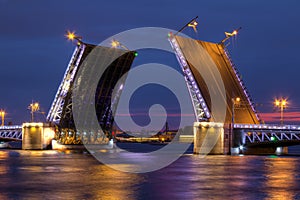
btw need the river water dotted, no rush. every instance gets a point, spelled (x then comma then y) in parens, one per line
(78, 175)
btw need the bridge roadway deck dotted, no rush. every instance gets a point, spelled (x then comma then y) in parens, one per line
(267, 135)
(249, 135)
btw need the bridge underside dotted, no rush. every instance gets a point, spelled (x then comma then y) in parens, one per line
(200, 55)
(117, 63)
(105, 86)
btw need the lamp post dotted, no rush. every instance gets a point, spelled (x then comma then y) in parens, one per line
(281, 103)
(115, 44)
(193, 23)
(72, 36)
(229, 35)
(34, 107)
(235, 101)
(2, 113)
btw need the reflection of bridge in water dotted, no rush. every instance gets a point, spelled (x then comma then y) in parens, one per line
(197, 60)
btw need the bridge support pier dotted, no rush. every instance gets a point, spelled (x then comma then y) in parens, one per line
(211, 138)
(256, 150)
(37, 135)
(214, 138)
(281, 150)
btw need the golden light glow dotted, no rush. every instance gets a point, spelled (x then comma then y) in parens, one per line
(209, 124)
(115, 43)
(71, 35)
(193, 24)
(2, 114)
(32, 124)
(283, 102)
(280, 102)
(35, 106)
(238, 99)
(235, 32)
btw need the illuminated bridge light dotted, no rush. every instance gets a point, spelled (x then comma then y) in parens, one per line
(192, 86)
(241, 83)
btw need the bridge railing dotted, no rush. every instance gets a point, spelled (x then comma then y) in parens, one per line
(267, 126)
(10, 127)
(11, 132)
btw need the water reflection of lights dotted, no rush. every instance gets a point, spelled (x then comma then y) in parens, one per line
(3, 155)
(3, 170)
(280, 178)
(116, 184)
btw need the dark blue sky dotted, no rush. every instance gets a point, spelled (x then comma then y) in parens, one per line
(34, 53)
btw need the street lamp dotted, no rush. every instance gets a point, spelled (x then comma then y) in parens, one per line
(229, 35)
(2, 113)
(33, 107)
(115, 44)
(281, 103)
(193, 23)
(235, 101)
(72, 36)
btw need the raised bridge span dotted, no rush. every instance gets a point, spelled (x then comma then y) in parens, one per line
(196, 57)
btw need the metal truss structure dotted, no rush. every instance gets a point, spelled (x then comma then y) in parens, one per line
(61, 101)
(200, 107)
(11, 132)
(61, 113)
(263, 134)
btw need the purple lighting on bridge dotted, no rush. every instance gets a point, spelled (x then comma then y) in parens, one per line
(193, 88)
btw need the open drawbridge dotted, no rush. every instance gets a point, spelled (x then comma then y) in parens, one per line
(61, 113)
(197, 59)
(208, 70)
